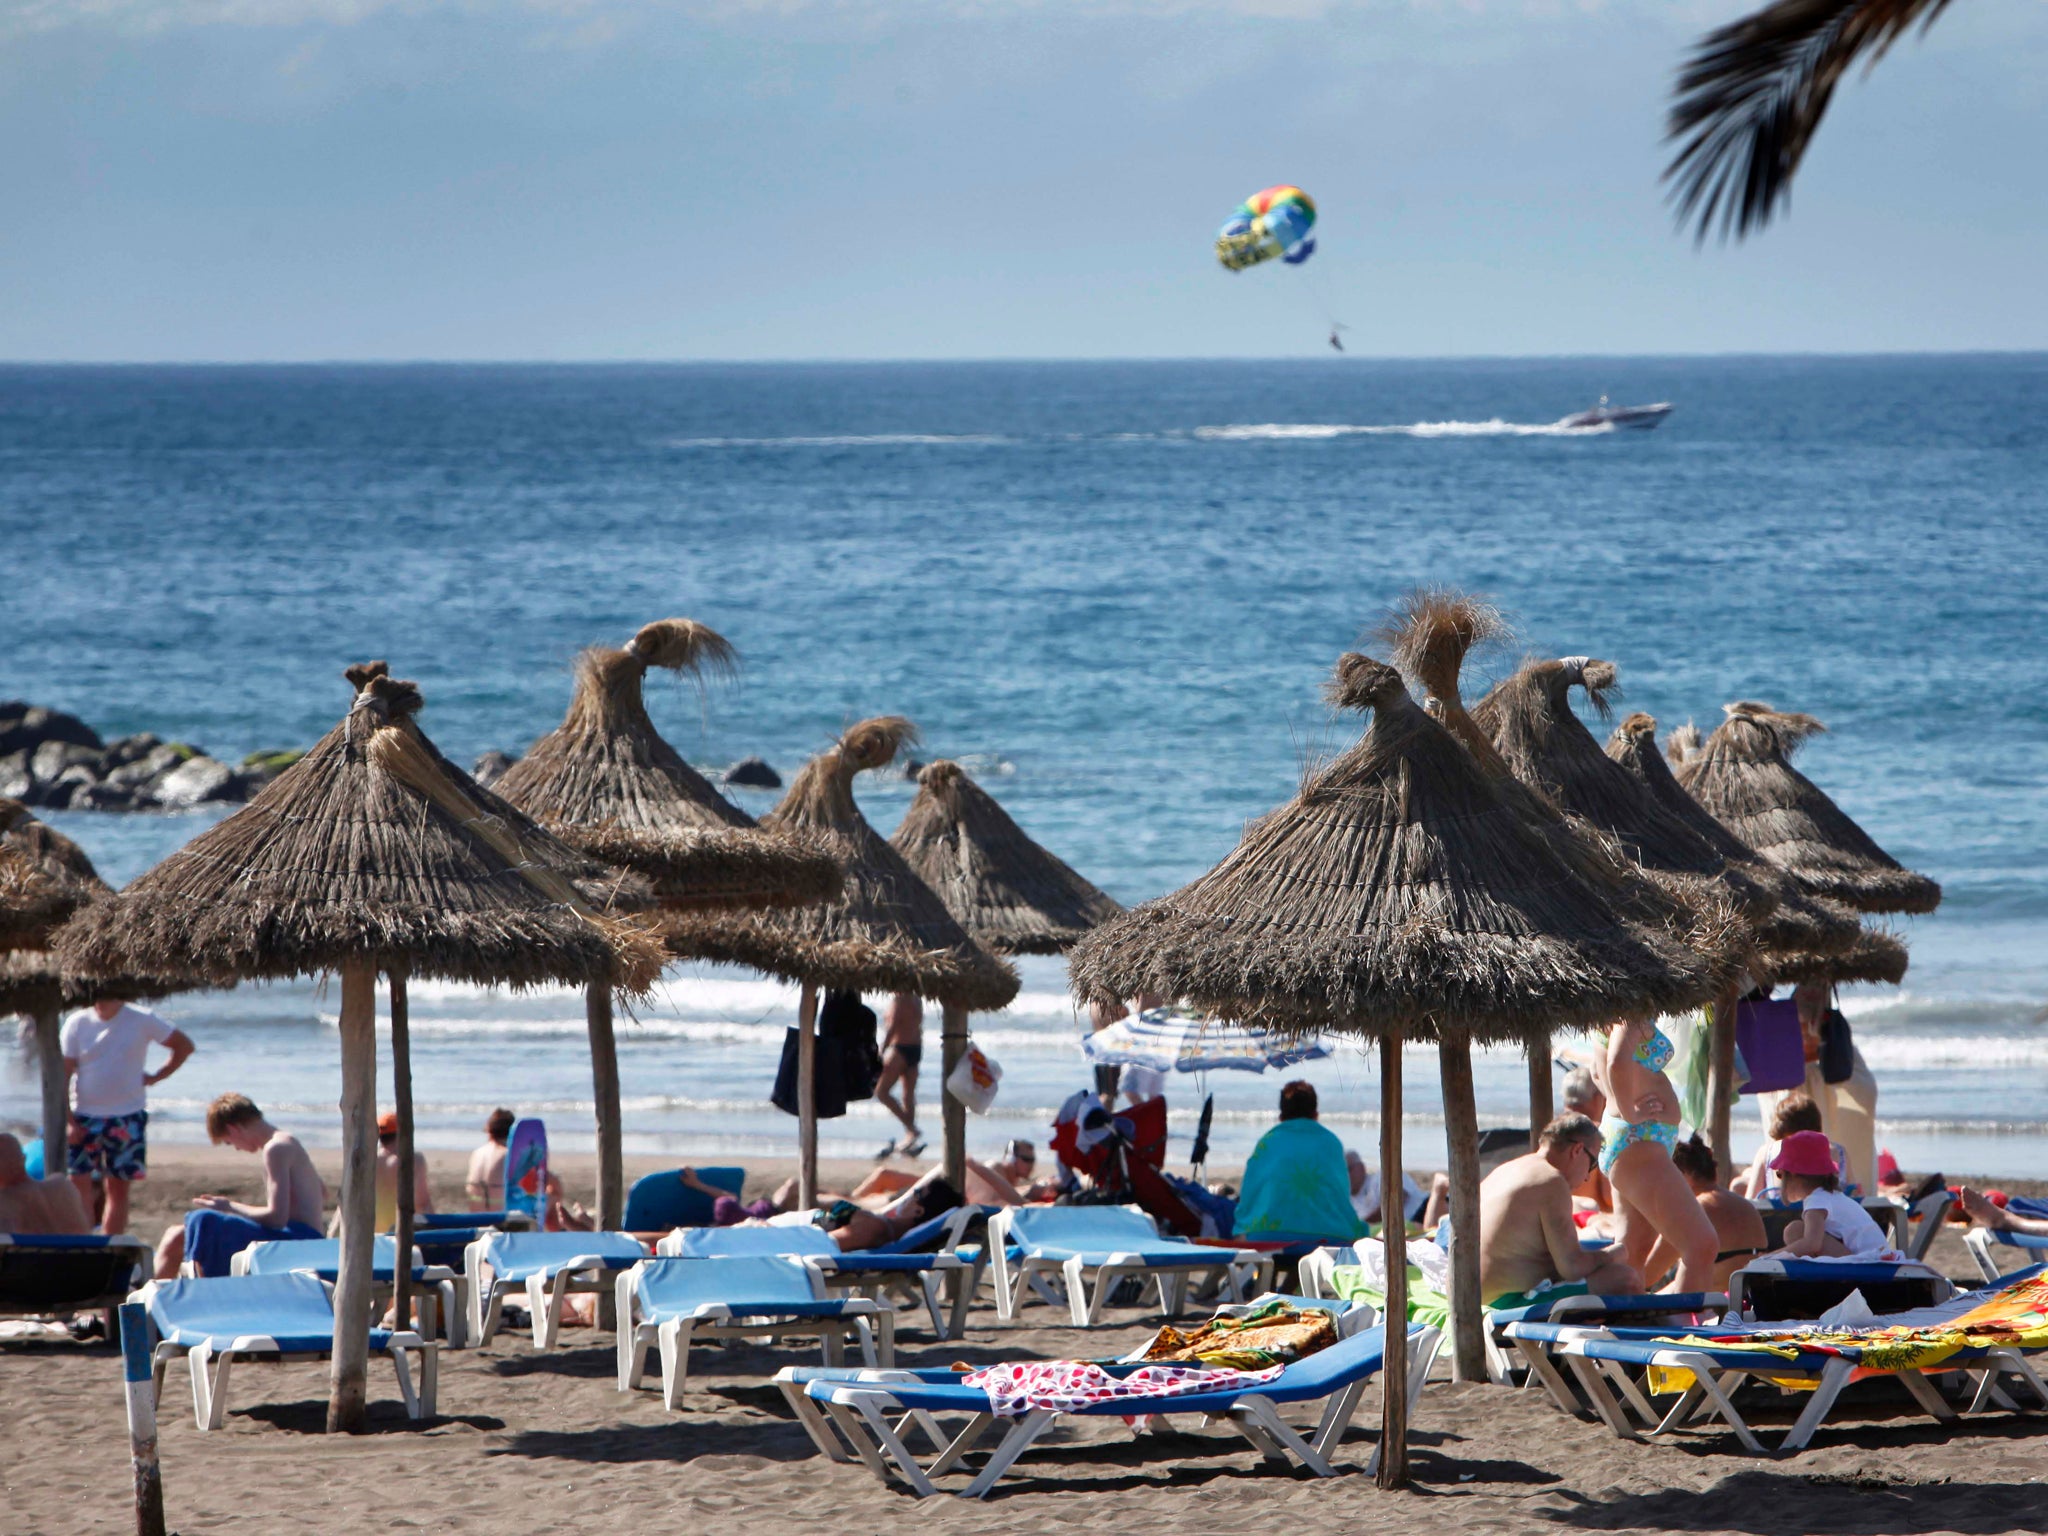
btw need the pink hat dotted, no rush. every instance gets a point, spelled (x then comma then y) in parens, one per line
(1806, 1152)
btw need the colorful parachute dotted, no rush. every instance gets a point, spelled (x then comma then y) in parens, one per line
(1271, 223)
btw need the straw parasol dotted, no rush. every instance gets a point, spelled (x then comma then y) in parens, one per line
(1399, 895)
(1010, 894)
(606, 783)
(1432, 631)
(1800, 923)
(1743, 775)
(44, 878)
(887, 932)
(1876, 956)
(370, 853)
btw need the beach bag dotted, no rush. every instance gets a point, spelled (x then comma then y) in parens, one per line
(1837, 1048)
(1773, 1049)
(851, 1027)
(830, 1084)
(974, 1079)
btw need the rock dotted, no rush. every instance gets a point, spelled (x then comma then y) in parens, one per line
(102, 797)
(753, 773)
(259, 768)
(490, 767)
(194, 782)
(150, 767)
(131, 749)
(30, 725)
(15, 777)
(54, 758)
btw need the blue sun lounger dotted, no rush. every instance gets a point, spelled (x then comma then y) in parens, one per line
(1796, 1289)
(868, 1271)
(51, 1275)
(1584, 1310)
(322, 1256)
(1029, 1243)
(1337, 1377)
(1984, 1244)
(550, 1265)
(670, 1302)
(224, 1318)
(1602, 1359)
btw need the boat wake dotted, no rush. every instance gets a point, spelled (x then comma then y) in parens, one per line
(1320, 431)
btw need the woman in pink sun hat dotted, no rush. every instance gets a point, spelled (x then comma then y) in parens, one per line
(1830, 1224)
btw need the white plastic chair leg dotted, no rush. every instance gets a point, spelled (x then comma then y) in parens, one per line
(1082, 1310)
(675, 1361)
(1014, 1444)
(1833, 1377)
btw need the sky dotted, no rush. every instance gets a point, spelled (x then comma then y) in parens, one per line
(228, 180)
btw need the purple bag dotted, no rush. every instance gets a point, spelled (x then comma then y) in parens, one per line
(1767, 1035)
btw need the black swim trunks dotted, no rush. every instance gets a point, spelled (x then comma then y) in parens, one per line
(911, 1054)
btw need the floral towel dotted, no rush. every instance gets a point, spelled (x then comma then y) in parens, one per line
(1272, 1333)
(1021, 1386)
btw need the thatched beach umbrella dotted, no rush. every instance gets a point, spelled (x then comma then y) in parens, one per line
(1877, 957)
(1432, 631)
(606, 783)
(1743, 775)
(44, 878)
(371, 853)
(1011, 895)
(886, 932)
(1399, 895)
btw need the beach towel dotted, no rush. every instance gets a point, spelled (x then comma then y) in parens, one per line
(213, 1238)
(1018, 1387)
(1272, 1333)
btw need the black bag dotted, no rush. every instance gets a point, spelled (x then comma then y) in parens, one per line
(852, 1028)
(829, 1084)
(1837, 1048)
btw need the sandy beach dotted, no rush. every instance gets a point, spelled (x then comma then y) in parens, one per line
(545, 1443)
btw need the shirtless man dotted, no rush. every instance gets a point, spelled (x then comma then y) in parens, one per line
(44, 1207)
(485, 1181)
(220, 1228)
(902, 1051)
(1738, 1230)
(1526, 1233)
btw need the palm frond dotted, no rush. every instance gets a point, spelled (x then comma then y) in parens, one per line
(1752, 95)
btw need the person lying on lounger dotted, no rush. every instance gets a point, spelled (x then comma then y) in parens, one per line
(1984, 1213)
(1528, 1242)
(37, 1207)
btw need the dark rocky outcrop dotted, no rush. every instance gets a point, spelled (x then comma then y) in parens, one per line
(753, 773)
(54, 761)
(490, 767)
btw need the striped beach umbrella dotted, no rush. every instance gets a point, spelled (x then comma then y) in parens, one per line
(1173, 1040)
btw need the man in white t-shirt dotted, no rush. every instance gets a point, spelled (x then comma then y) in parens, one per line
(106, 1060)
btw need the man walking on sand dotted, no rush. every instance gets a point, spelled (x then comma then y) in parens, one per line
(106, 1052)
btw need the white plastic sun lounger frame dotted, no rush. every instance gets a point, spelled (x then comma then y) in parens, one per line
(210, 1385)
(859, 1410)
(862, 1316)
(1615, 1395)
(1244, 1271)
(441, 1293)
(581, 1275)
(1984, 1248)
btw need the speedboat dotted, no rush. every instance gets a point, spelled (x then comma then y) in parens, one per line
(1641, 417)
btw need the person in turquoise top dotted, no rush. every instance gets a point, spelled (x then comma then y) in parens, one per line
(1296, 1184)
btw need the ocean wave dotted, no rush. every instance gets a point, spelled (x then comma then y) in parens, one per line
(1323, 431)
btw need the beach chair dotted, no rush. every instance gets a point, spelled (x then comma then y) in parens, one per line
(214, 1322)
(550, 1265)
(509, 1221)
(1029, 1244)
(860, 1409)
(1584, 1311)
(659, 1201)
(1930, 1211)
(1602, 1360)
(1791, 1290)
(322, 1256)
(670, 1303)
(869, 1272)
(1984, 1245)
(52, 1275)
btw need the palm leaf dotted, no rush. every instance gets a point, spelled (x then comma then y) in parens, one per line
(1753, 93)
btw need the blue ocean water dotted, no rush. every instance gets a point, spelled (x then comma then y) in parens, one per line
(1112, 589)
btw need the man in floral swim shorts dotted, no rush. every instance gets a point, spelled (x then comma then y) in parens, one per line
(106, 1049)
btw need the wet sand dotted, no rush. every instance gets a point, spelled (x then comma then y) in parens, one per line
(532, 1443)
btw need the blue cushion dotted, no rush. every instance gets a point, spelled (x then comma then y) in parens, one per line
(513, 1256)
(293, 1308)
(754, 1284)
(719, 1242)
(659, 1201)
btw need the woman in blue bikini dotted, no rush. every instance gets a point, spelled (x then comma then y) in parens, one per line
(1651, 1197)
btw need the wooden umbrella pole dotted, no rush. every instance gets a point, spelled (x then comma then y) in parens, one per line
(346, 1410)
(56, 1101)
(953, 1113)
(1721, 1081)
(807, 1099)
(401, 1097)
(604, 1079)
(1393, 1468)
(1542, 1102)
(1461, 1131)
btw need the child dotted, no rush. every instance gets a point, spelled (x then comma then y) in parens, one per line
(1830, 1223)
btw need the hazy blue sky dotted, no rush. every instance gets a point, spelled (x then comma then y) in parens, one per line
(229, 179)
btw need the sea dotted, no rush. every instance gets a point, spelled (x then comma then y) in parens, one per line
(1110, 589)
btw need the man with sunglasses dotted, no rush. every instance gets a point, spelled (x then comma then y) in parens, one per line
(1528, 1243)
